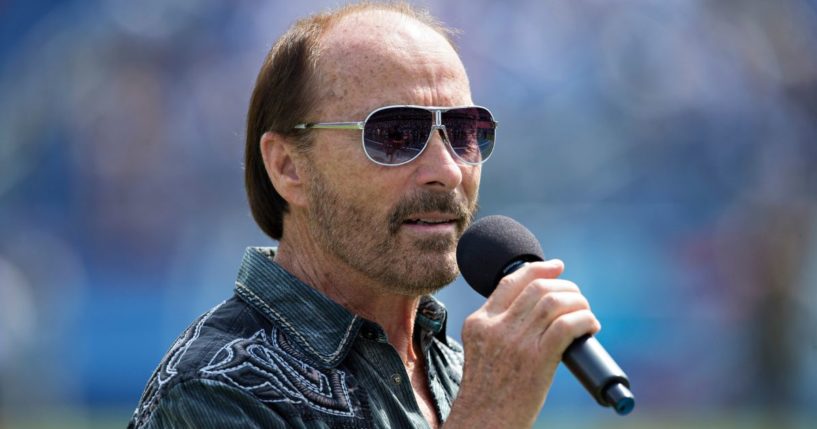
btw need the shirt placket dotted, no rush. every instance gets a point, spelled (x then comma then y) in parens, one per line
(391, 369)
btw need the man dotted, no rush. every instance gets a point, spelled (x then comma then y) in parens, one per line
(335, 327)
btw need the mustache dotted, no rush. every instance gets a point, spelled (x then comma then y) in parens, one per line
(447, 203)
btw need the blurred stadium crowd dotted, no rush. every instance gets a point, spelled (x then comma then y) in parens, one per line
(665, 149)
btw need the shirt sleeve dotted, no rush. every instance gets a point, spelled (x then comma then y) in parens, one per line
(212, 404)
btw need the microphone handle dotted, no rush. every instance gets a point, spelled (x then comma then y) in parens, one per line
(599, 373)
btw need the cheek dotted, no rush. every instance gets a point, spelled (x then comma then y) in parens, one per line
(341, 161)
(470, 181)
(365, 186)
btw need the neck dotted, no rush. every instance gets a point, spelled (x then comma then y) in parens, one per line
(352, 289)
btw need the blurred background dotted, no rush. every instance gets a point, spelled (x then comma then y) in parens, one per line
(665, 149)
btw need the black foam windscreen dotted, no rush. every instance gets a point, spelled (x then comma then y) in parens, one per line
(489, 246)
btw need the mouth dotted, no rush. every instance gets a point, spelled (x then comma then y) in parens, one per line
(431, 222)
(434, 213)
(428, 221)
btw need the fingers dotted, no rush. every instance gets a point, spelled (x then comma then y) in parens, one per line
(533, 300)
(554, 304)
(512, 285)
(566, 328)
(547, 298)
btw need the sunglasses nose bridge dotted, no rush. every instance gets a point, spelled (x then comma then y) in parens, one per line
(438, 118)
(443, 133)
(439, 127)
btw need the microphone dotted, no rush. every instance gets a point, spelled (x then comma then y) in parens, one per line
(495, 246)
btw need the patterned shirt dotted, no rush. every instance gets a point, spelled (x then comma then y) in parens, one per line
(281, 354)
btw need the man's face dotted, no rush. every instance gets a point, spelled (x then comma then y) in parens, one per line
(396, 225)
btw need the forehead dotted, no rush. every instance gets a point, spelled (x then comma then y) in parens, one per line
(376, 58)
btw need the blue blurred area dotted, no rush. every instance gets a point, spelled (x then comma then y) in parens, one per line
(666, 150)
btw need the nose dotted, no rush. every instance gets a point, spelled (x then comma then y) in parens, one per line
(437, 167)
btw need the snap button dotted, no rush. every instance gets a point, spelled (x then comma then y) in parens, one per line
(396, 379)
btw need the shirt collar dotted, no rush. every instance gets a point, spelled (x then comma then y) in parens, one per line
(321, 327)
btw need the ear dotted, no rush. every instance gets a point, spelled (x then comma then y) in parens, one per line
(282, 168)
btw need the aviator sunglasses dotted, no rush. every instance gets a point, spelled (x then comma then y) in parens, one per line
(396, 135)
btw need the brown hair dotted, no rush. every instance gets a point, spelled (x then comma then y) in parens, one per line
(285, 94)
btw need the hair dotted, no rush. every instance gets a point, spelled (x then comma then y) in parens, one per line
(285, 93)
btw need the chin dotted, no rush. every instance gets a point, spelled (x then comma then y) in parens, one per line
(426, 276)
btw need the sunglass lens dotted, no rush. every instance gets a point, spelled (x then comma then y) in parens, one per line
(471, 132)
(396, 135)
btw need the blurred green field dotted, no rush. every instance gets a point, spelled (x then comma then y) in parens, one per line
(72, 419)
(697, 422)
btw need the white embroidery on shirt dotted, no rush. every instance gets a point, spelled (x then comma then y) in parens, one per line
(269, 369)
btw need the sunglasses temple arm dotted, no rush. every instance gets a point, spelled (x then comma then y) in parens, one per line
(332, 125)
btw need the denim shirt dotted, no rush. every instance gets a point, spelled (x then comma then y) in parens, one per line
(281, 354)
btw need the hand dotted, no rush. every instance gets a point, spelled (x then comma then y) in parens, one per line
(513, 344)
